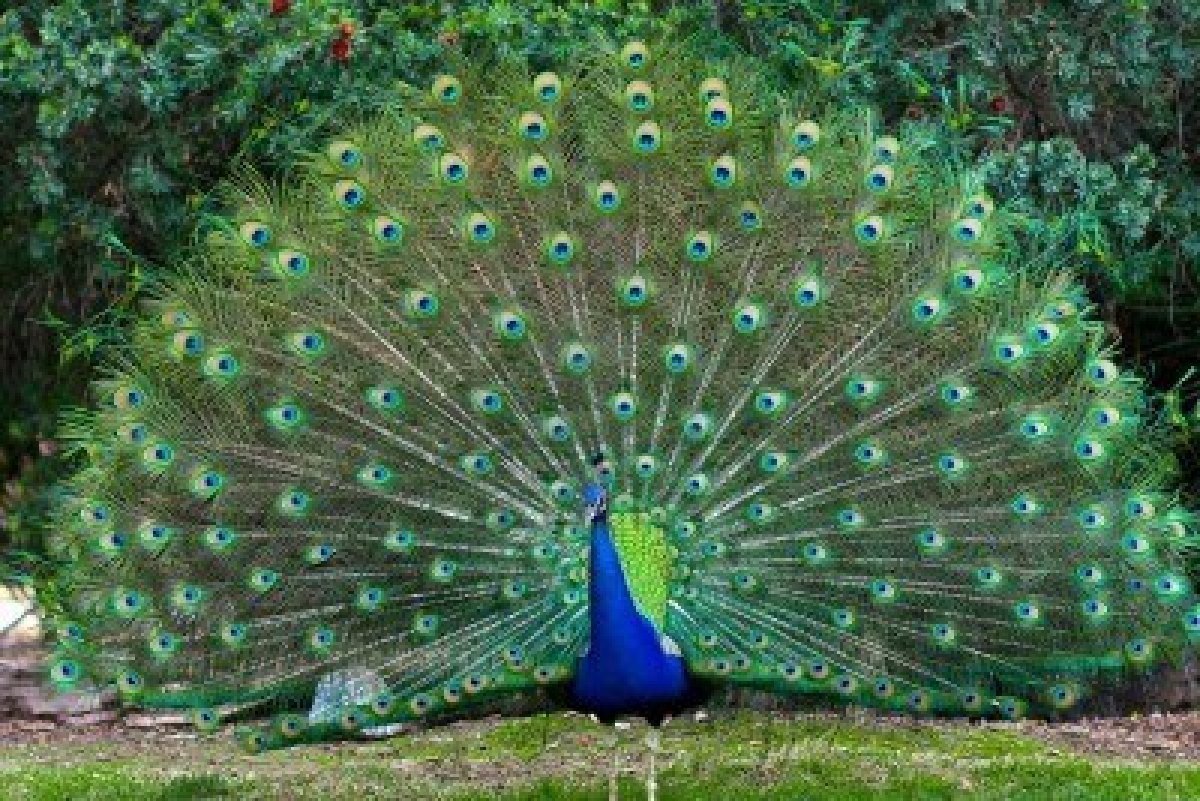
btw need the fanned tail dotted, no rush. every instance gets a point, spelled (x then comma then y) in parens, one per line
(862, 438)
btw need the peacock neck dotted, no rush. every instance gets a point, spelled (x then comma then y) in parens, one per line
(612, 608)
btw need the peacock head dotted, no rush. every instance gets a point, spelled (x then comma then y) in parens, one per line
(595, 503)
(595, 496)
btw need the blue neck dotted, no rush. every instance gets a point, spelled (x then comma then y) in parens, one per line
(625, 670)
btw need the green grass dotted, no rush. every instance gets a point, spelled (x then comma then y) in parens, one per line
(744, 756)
(112, 784)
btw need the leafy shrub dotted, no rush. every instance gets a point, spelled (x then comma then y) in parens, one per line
(121, 115)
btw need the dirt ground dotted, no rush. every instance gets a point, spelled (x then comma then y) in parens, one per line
(1168, 736)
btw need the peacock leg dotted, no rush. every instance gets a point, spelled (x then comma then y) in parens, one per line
(615, 743)
(652, 743)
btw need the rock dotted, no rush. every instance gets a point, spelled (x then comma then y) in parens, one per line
(36, 725)
(104, 716)
(62, 704)
(157, 720)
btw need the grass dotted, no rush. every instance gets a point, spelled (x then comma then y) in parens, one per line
(568, 758)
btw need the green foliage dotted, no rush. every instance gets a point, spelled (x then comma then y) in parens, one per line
(120, 116)
(1087, 107)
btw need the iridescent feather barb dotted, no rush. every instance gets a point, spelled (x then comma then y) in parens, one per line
(860, 440)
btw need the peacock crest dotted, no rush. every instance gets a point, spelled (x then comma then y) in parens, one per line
(859, 436)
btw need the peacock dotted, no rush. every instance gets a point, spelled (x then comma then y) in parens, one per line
(615, 385)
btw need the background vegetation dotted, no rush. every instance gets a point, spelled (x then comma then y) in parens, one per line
(120, 115)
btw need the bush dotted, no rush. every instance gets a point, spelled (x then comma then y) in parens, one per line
(121, 115)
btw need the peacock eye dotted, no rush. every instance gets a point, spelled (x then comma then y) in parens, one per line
(967, 230)
(510, 325)
(479, 228)
(697, 426)
(700, 246)
(560, 249)
(306, 343)
(428, 138)
(548, 87)
(678, 358)
(532, 126)
(647, 138)
(1035, 426)
(187, 343)
(488, 401)
(770, 402)
(576, 358)
(887, 148)
(712, 87)
(870, 230)
(446, 89)
(158, 455)
(132, 433)
(1009, 351)
(255, 234)
(1100, 372)
(722, 173)
(988, 577)
(798, 172)
(635, 55)
(557, 429)
(387, 230)
(624, 405)
(452, 168)
(1105, 416)
(639, 97)
(748, 318)
(718, 113)
(537, 172)
(927, 309)
(344, 154)
(979, 206)
(291, 264)
(634, 292)
(772, 461)
(805, 135)
(1139, 507)
(879, 179)
(951, 464)
(968, 280)
(750, 217)
(607, 197)
(1025, 504)
(646, 466)
(349, 194)
(221, 366)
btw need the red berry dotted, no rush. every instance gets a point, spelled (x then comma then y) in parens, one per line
(998, 104)
(280, 7)
(339, 50)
